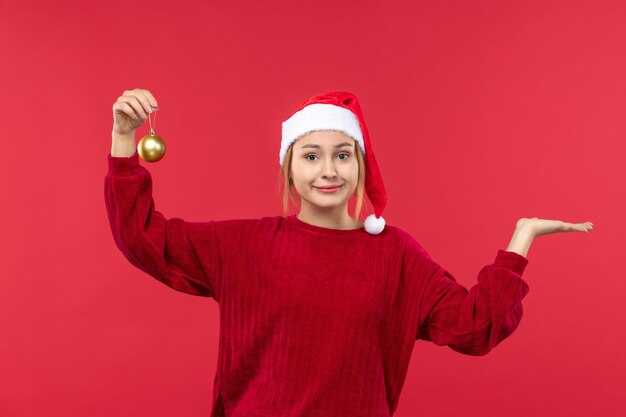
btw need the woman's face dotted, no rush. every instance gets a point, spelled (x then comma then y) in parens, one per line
(325, 158)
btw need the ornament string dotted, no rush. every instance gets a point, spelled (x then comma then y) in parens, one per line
(150, 120)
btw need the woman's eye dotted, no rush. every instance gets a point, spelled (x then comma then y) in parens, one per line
(313, 155)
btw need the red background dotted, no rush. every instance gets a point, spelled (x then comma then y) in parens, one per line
(480, 113)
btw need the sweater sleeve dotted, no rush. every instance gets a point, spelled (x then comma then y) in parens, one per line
(474, 321)
(180, 254)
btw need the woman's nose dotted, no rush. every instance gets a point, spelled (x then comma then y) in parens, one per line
(329, 169)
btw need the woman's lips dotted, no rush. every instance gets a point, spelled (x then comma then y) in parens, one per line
(328, 190)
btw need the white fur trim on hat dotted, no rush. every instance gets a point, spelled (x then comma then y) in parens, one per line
(319, 116)
(374, 225)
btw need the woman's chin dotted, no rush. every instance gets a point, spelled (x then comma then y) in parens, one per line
(328, 204)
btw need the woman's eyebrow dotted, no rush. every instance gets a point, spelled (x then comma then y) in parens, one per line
(318, 147)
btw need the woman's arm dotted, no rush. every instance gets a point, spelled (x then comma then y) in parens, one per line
(474, 321)
(180, 254)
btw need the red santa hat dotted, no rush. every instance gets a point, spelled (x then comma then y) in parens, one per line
(340, 110)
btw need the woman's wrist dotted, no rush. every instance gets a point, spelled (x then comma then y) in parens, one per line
(521, 240)
(123, 145)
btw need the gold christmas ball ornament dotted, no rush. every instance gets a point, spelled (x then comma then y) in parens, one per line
(151, 148)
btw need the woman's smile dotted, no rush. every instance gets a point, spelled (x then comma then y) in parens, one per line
(329, 189)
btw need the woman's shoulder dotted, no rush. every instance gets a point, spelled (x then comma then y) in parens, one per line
(417, 262)
(412, 246)
(396, 232)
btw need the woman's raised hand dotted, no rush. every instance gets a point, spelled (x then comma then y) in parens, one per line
(131, 110)
(538, 227)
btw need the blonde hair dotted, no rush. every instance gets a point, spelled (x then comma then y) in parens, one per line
(288, 188)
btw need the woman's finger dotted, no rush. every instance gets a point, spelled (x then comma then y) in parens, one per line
(127, 109)
(143, 96)
(151, 98)
(580, 227)
(136, 105)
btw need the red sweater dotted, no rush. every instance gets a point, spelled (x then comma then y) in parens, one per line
(314, 322)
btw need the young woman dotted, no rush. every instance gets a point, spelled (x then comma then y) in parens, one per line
(319, 312)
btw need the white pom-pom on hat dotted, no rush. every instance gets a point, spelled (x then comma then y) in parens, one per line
(340, 110)
(374, 225)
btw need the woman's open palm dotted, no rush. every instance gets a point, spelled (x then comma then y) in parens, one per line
(540, 227)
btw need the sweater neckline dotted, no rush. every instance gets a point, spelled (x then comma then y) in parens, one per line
(307, 226)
